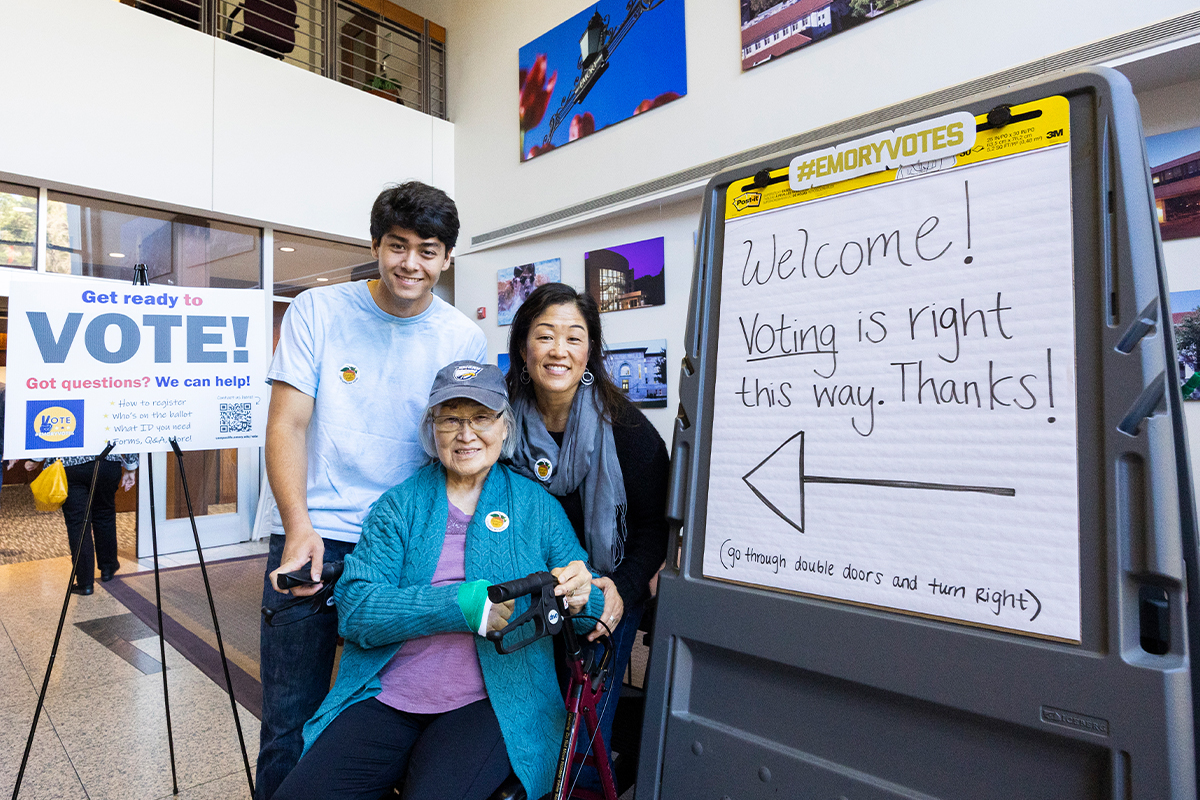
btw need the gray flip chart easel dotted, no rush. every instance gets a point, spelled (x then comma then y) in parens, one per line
(933, 506)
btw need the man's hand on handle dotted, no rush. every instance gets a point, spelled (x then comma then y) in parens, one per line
(303, 544)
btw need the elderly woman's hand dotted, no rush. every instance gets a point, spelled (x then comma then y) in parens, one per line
(574, 585)
(614, 608)
(499, 614)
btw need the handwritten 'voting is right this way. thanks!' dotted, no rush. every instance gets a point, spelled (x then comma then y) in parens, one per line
(894, 421)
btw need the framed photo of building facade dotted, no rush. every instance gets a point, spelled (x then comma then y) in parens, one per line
(1175, 172)
(774, 28)
(626, 276)
(640, 371)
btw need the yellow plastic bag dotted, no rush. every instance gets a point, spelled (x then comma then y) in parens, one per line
(50, 488)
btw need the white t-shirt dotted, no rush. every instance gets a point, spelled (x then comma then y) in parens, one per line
(369, 373)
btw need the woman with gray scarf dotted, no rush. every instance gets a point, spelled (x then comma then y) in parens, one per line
(595, 452)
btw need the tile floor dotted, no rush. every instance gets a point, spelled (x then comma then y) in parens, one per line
(102, 732)
(189, 557)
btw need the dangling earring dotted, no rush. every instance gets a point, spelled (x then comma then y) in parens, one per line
(524, 376)
(588, 378)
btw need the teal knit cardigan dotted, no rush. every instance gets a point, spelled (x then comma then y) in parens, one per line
(385, 598)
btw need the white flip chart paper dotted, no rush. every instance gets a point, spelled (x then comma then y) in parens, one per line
(894, 422)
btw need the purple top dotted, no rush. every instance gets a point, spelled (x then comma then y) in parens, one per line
(438, 673)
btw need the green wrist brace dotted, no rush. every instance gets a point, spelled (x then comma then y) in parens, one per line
(474, 604)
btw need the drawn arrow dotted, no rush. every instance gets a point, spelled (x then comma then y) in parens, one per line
(803, 479)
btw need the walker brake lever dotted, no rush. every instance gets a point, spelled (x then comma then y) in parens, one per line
(546, 613)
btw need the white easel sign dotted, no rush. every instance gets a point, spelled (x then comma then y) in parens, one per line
(91, 362)
(895, 418)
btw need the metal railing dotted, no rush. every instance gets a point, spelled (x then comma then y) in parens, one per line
(375, 46)
(290, 30)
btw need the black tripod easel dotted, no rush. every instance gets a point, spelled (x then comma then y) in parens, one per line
(140, 279)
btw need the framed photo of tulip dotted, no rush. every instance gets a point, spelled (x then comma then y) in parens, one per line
(613, 60)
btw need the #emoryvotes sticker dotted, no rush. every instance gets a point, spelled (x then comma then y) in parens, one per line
(349, 373)
(543, 469)
(496, 521)
(53, 423)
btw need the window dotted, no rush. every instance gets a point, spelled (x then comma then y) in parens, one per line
(612, 286)
(103, 239)
(378, 47)
(302, 262)
(18, 226)
(289, 30)
(379, 55)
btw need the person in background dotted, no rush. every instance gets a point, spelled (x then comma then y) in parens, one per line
(420, 694)
(115, 471)
(349, 382)
(594, 451)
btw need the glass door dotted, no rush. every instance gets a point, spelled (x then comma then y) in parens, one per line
(223, 485)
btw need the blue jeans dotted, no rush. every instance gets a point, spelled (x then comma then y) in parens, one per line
(295, 664)
(622, 638)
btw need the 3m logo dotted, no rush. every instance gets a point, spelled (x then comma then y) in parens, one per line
(1070, 719)
(1054, 134)
(747, 200)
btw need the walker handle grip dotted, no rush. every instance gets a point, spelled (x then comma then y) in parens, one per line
(502, 592)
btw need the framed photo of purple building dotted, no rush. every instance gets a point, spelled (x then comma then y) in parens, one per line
(640, 371)
(1175, 172)
(514, 284)
(626, 276)
(613, 60)
(773, 28)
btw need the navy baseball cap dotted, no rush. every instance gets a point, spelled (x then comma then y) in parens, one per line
(483, 383)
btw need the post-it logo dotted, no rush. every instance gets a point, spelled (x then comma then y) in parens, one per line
(53, 423)
(747, 200)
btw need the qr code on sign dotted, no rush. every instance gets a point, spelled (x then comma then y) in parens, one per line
(235, 417)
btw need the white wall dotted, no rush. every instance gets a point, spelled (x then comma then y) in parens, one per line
(1166, 109)
(926, 46)
(117, 102)
(675, 222)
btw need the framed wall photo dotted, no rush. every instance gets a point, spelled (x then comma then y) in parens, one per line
(626, 276)
(575, 81)
(514, 284)
(1185, 321)
(1175, 172)
(639, 369)
(774, 28)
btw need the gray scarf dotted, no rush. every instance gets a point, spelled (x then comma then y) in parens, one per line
(587, 461)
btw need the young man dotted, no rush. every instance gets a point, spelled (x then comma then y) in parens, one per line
(350, 378)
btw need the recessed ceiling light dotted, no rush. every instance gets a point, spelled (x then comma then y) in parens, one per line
(116, 255)
(23, 210)
(322, 279)
(287, 249)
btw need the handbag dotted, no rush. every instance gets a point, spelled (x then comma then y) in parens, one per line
(50, 488)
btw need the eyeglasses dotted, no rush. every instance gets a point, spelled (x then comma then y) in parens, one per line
(479, 423)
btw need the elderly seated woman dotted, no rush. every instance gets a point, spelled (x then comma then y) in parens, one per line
(420, 695)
